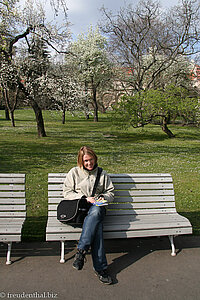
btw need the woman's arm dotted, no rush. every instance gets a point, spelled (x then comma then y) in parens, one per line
(69, 186)
(108, 188)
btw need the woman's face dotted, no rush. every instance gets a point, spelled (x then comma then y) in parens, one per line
(88, 162)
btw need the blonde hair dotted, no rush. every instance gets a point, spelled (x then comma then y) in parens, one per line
(83, 151)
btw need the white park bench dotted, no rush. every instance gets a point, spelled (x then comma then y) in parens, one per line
(12, 209)
(144, 206)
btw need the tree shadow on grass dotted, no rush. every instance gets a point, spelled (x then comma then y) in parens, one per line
(194, 218)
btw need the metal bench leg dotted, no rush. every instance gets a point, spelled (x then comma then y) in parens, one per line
(62, 258)
(171, 238)
(8, 261)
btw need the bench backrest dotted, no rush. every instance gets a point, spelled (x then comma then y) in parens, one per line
(134, 194)
(12, 196)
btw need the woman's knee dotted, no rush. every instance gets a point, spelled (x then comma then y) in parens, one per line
(97, 211)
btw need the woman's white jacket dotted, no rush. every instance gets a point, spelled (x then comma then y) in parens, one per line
(80, 182)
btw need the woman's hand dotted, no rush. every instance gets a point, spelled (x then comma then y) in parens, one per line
(93, 199)
(90, 199)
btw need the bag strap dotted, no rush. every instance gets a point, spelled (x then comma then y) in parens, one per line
(96, 181)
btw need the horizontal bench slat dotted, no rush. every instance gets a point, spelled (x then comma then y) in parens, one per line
(147, 233)
(144, 193)
(56, 180)
(12, 194)
(13, 214)
(12, 207)
(121, 234)
(123, 175)
(141, 179)
(10, 238)
(129, 212)
(53, 207)
(54, 200)
(128, 199)
(147, 205)
(137, 226)
(121, 227)
(12, 221)
(10, 230)
(141, 211)
(156, 218)
(150, 186)
(59, 177)
(12, 175)
(143, 186)
(57, 194)
(126, 219)
(12, 201)
(144, 199)
(12, 187)
(136, 176)
(60, 180)
(62, 237)
(12, 180)
(139, 175)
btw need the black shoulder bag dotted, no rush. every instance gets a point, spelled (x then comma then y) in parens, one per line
(73, 212)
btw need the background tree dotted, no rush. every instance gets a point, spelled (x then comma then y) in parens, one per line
(9, 88)
(34, 66)
(150, 60)
(154, 104)
(20, 28)
(137, 33)
(66, 92)
(93, 66)
(8, 20)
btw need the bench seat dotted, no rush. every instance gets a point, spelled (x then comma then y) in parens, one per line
(144, 206)
(12, 209)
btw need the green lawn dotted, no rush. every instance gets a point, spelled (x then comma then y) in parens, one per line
(143, 150)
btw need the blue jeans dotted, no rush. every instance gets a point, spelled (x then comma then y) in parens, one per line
(92, 235)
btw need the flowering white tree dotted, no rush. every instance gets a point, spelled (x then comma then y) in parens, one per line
(9, 88)
(92, 64)
(22, 29)
(66, 92)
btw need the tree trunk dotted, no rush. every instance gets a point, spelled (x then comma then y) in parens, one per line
(63, 115)
(10, 105)
(95, 105)
(37, 110)
(7, 116)
(86, 108)
(166, 129)
(12, 118)
(39, 119)
(87, 116)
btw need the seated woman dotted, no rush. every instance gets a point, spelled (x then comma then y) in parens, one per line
(78, 184)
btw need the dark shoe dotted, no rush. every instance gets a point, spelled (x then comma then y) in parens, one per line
(104, 277)
(79, 260)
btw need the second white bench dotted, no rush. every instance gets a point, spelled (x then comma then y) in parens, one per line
(12, 209)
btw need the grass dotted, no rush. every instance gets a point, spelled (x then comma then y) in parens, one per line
(144, 150)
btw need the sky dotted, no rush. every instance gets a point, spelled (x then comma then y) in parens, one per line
(83, 13)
